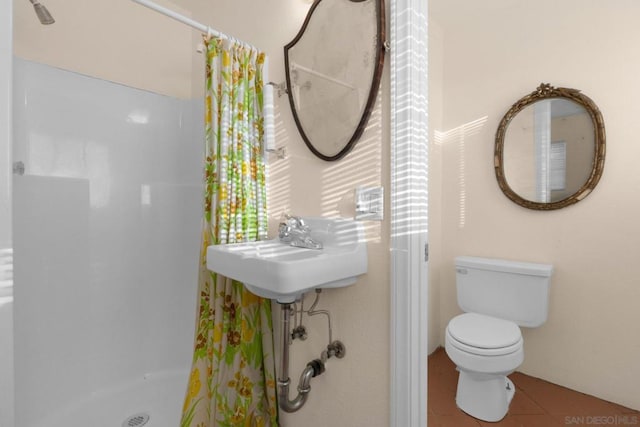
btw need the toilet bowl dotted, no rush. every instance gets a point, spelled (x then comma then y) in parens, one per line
(485, 342)
(485, 350)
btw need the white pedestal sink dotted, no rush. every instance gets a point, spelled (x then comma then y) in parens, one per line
(275, 270)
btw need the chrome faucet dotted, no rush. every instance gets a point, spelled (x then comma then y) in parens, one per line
(297, 233)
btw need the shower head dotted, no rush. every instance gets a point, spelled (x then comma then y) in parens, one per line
(43, 14)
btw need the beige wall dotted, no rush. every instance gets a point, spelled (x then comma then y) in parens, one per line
(493, 55)
(115, 40)
(436, 243)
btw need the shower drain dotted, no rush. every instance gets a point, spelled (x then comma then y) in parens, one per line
(137, 420)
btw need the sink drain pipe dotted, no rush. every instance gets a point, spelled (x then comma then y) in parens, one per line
(313, 369)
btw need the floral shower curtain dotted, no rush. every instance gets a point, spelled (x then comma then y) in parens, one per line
(232, 381)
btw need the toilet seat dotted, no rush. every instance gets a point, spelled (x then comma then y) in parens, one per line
(484, 335)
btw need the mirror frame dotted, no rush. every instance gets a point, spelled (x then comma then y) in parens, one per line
(546, 91)
(373, 90)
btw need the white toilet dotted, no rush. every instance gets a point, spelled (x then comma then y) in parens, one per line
(485, 342)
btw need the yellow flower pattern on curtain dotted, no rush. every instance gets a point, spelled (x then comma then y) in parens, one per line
(232, 381)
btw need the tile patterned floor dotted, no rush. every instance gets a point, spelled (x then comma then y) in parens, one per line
(536, 403)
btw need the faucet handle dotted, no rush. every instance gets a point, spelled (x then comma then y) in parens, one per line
(284, 232)
(295, 222)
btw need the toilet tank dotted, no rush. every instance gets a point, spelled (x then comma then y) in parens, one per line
(510, 290)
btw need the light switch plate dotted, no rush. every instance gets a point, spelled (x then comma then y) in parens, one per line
(370, 203)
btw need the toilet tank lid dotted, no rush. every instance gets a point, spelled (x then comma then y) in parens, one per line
(494, 264)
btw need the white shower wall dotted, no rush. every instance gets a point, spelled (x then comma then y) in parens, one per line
(6, 301)
(5, 130)
(106, 236)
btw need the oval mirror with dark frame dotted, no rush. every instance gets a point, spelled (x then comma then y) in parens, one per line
(550, 148)
(333, 69)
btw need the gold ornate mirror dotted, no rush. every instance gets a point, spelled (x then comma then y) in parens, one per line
(550, 148)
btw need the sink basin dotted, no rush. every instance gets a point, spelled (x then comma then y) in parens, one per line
(275, 270)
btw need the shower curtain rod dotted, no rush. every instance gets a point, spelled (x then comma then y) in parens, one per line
(190, 22)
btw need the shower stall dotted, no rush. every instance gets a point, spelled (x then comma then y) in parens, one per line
(106, 219)
(99, 240)
(100, 208)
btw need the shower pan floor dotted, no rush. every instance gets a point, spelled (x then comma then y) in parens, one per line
(157, 396)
